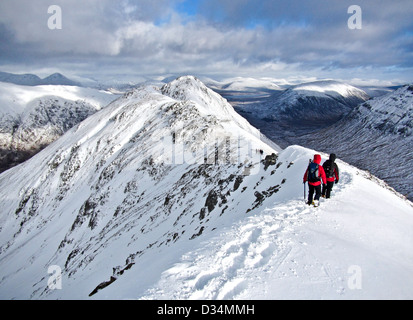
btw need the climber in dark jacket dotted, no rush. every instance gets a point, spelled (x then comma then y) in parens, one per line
(332, 174)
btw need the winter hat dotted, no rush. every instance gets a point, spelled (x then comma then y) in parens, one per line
(333, 157)
(317, 158)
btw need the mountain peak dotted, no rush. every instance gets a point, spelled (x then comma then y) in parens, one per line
(190, 88)
(20, 79)
(207, 101)
(59, 79)
(187, 79)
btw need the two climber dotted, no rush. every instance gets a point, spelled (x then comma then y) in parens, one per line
(320, 178)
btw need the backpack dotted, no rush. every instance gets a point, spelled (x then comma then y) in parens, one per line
(313, 172)
(329, 168)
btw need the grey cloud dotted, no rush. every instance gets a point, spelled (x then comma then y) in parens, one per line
(242, 36)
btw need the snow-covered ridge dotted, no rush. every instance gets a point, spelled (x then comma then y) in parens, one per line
(208, 102)
(114, 206)
(287, 250)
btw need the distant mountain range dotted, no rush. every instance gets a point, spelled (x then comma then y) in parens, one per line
(34, 80)
(302, 108)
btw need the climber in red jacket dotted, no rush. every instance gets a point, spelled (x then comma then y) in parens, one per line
(315, 176)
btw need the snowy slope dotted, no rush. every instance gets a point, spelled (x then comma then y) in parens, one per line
(165, 185)
(319, 101)
(376, 136)
(32, 117)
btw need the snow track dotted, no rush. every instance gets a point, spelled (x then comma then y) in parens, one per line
(240, 258)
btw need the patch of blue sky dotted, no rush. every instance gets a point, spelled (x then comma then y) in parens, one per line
(271, 24)
(188, 7)
(249, 16)
(162, 20)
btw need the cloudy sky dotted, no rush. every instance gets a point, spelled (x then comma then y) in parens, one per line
(128, 39)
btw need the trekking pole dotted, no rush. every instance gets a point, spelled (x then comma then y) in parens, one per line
(304, 191)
